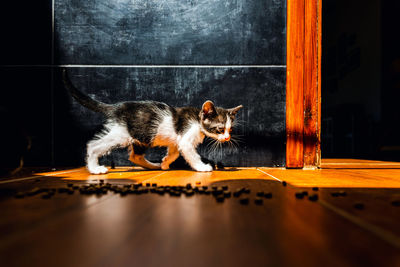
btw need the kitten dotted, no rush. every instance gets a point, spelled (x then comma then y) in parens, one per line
(142, 124)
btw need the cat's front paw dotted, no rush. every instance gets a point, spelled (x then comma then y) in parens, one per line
(203, 168)
(98, 170)
(164, 166)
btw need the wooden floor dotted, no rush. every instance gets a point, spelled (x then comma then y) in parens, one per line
(354, 222)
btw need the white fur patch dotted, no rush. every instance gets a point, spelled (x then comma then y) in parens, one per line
(187, 144)
(114, 135)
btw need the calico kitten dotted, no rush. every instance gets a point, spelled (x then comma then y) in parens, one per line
(149, 124)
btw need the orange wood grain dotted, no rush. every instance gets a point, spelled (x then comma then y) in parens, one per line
(349, 173)
(171, 177)
(311, 95)
(319, 80)
(294, 84)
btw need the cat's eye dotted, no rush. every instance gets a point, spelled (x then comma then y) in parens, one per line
(220, 131)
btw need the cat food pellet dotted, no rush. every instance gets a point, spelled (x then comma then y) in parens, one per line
(154, 184)
(101, 181)
(70, 185)
(246, 190)
(244, 201)
(189, 193)
(359, 206)
(224, 187)
(47, 196)
(127, 185)
(313, 197)
(136, 186)
(205, 187)
(62, 190)
(237, 193)
(227, 194)
(315, 188)
(207, 192)
(284, 183)
(342, 193)
(220, 199)
(217, 192)
(188, 186)
(305, 193)
(112, 165)
(258, 201)
(335, 194)
(198, 183)
(299, 195)
(214, 187)
(34, 191)
(268, 195)
(148, 184)
(19, 195)
(260, 194)
(396, 203)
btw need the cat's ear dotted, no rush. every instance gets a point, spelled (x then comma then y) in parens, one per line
(208, 108)
(235, 110)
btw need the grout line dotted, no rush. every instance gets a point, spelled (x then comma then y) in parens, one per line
(269, 175)
(379, 232)
(145, 66)
(34, 177)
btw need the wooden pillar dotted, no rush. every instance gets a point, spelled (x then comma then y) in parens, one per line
(303, 84)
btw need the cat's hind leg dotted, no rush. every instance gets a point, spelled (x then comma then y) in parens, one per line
(172, 155)
(115, 135)
(140, 160)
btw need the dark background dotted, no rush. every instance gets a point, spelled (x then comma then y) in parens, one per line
(111, 49)
(360, 79)
(360, 68)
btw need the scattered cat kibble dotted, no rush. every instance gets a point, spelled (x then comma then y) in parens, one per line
(258, 201)
(313, 197)
(268, 195)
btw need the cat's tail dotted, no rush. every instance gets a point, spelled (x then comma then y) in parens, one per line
(83, 99)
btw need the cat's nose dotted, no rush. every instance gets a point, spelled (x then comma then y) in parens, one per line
(227, 138)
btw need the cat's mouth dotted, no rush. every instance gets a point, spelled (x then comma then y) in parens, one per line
(223, 138)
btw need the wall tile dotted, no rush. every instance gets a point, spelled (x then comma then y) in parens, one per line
(171, 32)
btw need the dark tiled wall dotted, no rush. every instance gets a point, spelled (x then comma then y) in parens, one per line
(91, 35)
(171, 32)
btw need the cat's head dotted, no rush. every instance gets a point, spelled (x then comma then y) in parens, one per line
(217, 122)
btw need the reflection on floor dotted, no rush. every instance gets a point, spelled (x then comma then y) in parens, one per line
(351, 219)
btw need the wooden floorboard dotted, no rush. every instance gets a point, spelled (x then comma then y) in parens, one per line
(154, 230)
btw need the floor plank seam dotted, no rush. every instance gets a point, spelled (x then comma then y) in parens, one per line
(270, 175)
